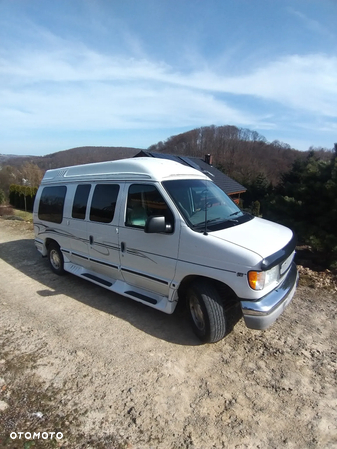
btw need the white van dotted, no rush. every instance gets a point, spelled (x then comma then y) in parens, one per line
(158, 232)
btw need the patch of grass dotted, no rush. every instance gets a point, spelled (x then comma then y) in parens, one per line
(8, 213)
(26, 216)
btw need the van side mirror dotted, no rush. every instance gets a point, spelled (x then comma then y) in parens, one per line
(156, 225)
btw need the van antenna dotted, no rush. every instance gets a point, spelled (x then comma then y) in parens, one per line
(205, 231)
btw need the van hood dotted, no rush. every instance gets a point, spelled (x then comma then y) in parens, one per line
(261, 236)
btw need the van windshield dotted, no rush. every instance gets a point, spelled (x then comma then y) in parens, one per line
(204, 205)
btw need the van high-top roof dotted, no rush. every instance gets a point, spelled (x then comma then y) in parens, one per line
(141, 168)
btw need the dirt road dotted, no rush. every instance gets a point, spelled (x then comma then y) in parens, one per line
(108, 372)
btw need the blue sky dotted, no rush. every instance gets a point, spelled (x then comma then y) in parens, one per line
(135, 72)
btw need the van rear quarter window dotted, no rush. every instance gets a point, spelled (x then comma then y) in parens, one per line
(104, 203)
(52, 203)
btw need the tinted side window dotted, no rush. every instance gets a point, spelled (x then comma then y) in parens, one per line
(52, 203)
(104, 203)
(80, 201)
(145, 201)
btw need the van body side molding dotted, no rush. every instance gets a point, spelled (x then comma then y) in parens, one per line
(100, 262)
(127, 270)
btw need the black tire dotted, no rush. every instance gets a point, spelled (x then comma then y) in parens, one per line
(206, 311)
(55, 258)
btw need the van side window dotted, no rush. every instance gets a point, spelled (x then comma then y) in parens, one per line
(104, 203)
(80, 201)
(143, 202)
(52, 203)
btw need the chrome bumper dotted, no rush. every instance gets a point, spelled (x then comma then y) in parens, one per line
(262, 313)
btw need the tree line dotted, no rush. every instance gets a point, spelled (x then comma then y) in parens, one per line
(241, 153)
(27, 171)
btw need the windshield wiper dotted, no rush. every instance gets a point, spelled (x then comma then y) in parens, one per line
(235, 213)
(202, 223)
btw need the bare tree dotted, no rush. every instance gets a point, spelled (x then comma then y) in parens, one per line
(31, 174)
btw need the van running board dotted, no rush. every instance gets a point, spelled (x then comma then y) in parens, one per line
(142, 297)
(97, 279)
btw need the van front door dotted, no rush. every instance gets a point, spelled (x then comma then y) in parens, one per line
(103, 231)
(148, 261)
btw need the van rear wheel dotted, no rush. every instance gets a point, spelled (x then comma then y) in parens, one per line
(55, 258)
(206, 311)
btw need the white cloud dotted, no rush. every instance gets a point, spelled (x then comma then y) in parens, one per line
(65, 84)
(301, 82)
(108, 105)
(79, 88)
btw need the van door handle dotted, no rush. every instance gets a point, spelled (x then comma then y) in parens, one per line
(91, 239)
(123, 247)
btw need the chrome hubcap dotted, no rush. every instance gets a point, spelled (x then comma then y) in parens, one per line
(197, 314)
(55, 259)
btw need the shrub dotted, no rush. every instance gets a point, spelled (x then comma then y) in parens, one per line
(6, 210)
(22, 197)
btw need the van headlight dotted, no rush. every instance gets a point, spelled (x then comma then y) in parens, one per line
(258, 280)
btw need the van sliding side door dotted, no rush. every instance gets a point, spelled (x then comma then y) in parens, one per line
(103, 230)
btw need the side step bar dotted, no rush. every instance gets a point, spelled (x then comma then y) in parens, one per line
(97, 279)
(120, 287)
(129, 292)
(142, 297)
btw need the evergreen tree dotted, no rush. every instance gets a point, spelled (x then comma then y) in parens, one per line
(306, 201)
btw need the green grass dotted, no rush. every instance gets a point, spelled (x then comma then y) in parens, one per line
(26, 216)
(8, 211)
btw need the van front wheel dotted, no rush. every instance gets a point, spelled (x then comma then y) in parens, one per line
(206, 312)
(55, 258)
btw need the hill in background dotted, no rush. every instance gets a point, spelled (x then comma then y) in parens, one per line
(240, 153)
(73, 156)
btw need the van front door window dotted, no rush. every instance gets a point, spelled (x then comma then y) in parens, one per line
(145, 201)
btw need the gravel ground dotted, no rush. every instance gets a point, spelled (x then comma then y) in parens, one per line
(108, 372)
